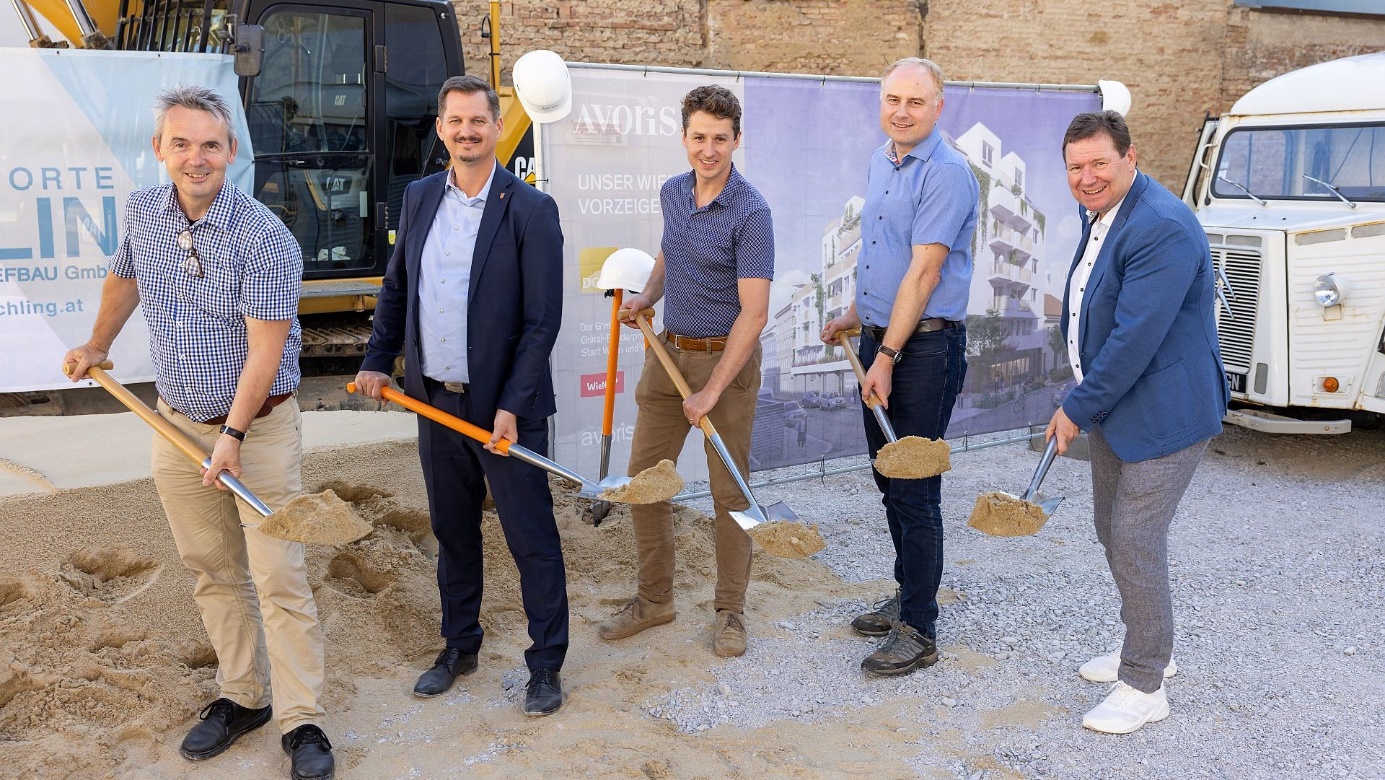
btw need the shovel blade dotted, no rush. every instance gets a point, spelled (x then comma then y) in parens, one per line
(749, 517)
(611, 483)
(1049, 505)
(779, 512)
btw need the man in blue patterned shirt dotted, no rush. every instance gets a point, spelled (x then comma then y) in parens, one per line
(913, 283)
(714, 266)
(218, 276)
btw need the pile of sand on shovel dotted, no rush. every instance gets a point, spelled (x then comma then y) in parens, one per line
(788, 540)
(914, 457)
(316, 518)
(654, 484)
(1001, 514)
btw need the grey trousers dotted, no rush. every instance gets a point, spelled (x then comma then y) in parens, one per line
(1133, 504)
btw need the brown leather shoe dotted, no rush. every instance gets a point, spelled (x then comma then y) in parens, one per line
(728, 638)
(638, 614)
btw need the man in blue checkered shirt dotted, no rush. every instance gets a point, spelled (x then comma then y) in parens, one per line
(218, 276)
(714, 266)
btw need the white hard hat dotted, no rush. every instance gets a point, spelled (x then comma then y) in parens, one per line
(1114, 97)
(543, 85)
(625, 269)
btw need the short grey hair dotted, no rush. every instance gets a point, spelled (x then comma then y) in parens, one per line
(196, 98)
(919, 62)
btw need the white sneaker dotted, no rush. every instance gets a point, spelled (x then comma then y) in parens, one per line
(1126, 709)
(1105, 668)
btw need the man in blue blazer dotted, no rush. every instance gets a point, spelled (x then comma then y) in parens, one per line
(1139, 322)
(473, 296)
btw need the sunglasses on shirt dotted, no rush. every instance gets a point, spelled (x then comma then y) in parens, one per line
(192, 264)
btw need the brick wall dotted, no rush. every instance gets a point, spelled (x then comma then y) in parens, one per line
(1180, 58)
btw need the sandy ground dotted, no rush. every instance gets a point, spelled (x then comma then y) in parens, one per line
(103, 661)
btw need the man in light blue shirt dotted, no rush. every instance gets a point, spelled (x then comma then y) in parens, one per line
(913, 282)
(444, 282)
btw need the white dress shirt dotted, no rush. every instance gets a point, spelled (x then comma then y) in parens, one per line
(1077, 283)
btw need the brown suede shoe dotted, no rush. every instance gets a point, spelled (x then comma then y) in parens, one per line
(637, 615)
(728, 638)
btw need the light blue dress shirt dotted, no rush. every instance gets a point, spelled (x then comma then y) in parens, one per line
(444, 282)
(930, 197)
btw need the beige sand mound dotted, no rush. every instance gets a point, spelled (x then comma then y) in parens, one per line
(1001, 514)
(316, 518)
(104, 662)
(788, 540)
(654, 484)
(914, 457)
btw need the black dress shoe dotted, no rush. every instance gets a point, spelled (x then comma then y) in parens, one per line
(311, 753)
(223, 721)
(544, 693)
(451, 664)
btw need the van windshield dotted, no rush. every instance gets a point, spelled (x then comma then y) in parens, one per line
(1303, 163)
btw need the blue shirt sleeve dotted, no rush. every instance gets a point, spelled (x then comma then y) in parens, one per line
(273, 278)
(755, 246)
(946, 203)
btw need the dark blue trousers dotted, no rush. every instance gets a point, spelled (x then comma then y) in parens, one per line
(924, 388)
(453, 470)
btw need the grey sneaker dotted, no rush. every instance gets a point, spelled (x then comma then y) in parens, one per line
(637, 615)
(879, 620)
(903, 651)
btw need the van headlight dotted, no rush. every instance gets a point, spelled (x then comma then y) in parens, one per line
(1329, 290)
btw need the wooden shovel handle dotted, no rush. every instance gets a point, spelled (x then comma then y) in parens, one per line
(132, 402)
(844, 338)
(667, 361)
(438, 416)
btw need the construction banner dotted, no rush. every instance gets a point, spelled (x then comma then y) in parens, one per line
(805, 145)
(75, 141)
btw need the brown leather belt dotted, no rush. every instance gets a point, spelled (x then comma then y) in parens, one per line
(925, 326)
(712, 344)
(269, 404)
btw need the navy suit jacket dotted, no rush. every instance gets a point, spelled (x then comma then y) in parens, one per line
(1152, 371)
(514, 306)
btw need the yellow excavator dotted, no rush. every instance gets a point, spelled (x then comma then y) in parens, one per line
(340, 98)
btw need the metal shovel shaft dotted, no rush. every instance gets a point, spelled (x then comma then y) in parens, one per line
(749, 517)
(1050, 452)
(844, 338)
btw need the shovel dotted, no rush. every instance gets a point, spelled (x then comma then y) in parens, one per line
(912, 458)
(1049, 505)
(1001, 514)
(754, 514)
(327, 520)
(589, 489)
(600, 509)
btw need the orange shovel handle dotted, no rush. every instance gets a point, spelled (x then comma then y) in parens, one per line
(612, 360)
(438, 416)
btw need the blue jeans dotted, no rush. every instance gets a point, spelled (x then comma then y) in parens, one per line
(925, 386)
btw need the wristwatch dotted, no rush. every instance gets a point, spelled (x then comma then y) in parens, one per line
(233, 433)
(895, 355)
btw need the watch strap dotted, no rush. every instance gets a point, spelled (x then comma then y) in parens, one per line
(895, 355)
(233, 433)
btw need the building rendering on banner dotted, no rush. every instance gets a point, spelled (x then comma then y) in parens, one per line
(1012, 308)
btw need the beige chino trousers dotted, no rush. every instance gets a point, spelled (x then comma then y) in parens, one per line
(252, 589)
(660, 430)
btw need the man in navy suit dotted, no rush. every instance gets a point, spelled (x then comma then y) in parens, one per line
(473, 296)
(1139, 320)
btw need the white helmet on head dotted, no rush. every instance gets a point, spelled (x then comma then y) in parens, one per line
(626, 269)
(543, 85)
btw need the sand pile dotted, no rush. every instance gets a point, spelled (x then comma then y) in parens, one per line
(656, 483)
(104, 661)
(788, 540)
(914, 457)
(1001, 514)
(316, 518)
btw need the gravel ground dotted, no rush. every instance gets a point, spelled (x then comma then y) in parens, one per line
(1277, 580)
